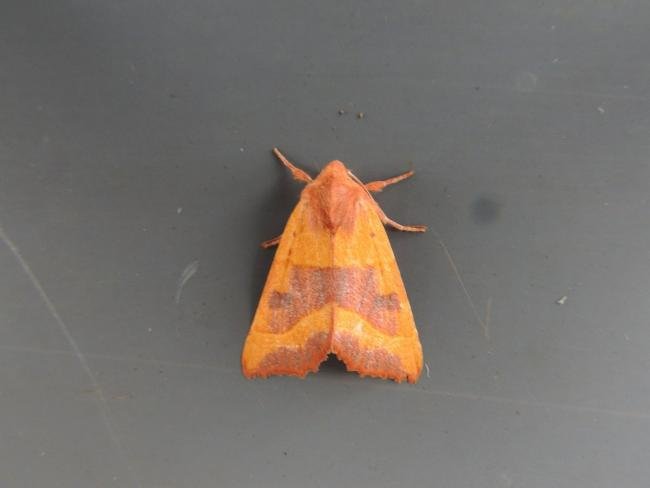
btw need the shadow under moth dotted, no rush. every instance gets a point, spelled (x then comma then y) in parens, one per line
(334, 286)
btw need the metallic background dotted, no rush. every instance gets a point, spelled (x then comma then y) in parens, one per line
(137, 181)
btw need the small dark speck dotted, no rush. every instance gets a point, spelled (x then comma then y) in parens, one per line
(173, 95)
(485, 209)
(477, 88)
(341, 111)
(284, 452)
(372, 234)
(517, 412)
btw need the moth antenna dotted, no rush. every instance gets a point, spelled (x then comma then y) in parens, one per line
(297, 173)
(357, 180)
(384, 218)
(360, 183)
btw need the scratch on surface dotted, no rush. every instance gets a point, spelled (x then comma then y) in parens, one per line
(187, 273)
(36, 350)
(428, 370)
(463, 395)
(101, 397)
(470, 301)
(488, 313)
(567, 407)
(508, 480)
(534, 399)
(112, 357)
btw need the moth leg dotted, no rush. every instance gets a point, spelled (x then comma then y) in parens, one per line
(405, 228)
(376, 186)
(395, 225)
(297, 173)
(271, 242)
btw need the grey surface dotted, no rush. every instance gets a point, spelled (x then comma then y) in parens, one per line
(135, 140)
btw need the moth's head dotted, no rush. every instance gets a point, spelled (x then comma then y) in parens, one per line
(334, 169)
(335, 174)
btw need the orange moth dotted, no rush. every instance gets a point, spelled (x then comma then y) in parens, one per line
(334, 286)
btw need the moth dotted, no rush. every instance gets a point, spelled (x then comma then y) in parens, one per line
(334, 286)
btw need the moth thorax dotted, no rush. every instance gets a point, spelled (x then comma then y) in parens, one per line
(334, 201)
